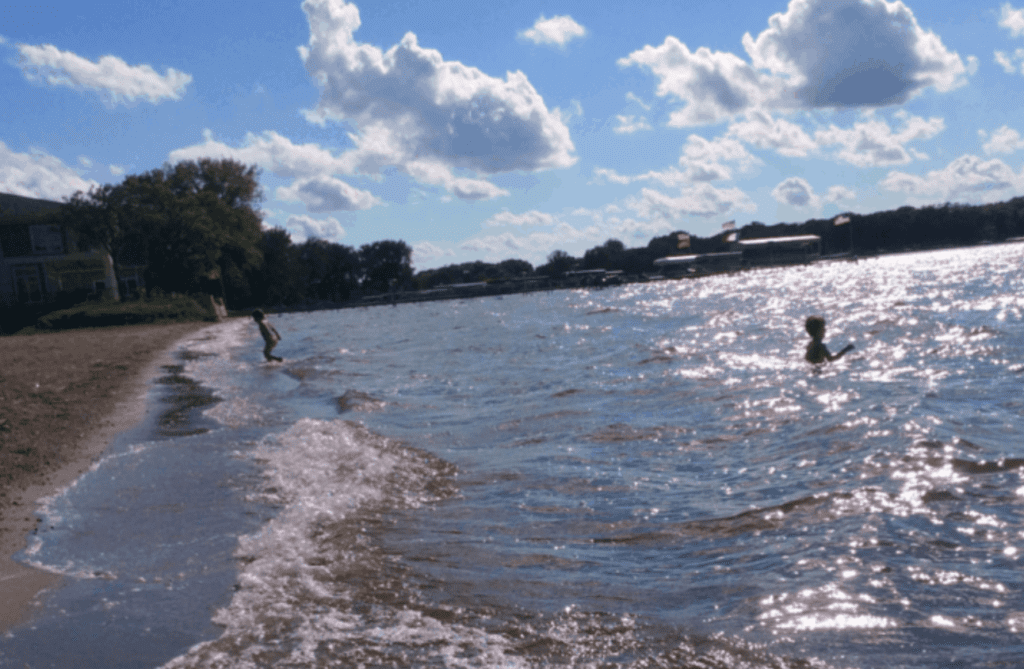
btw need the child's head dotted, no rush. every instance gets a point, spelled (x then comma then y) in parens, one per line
(815, 327)
(257, 315)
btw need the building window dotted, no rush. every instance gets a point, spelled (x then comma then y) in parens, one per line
(28, 283)
(129, 286)
(46, 239)
(15, 241)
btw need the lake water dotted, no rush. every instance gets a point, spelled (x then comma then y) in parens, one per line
(644, 476)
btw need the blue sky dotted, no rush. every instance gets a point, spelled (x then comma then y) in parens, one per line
(477, 131)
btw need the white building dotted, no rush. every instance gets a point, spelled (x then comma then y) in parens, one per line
(39, 260)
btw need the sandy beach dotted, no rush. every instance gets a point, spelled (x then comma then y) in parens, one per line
(63, 397)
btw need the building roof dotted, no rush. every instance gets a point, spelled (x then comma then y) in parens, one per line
(779, 240)
(674, 260)
(11, 205)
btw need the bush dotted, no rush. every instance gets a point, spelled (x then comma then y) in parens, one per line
(99, 314)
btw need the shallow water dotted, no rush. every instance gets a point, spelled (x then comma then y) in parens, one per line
(641, 476)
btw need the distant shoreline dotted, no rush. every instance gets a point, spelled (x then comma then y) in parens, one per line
(544, 284)
(63, 397)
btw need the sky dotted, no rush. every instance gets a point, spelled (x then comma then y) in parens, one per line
(489, 131)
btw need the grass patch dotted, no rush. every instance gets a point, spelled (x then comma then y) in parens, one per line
(178, 309)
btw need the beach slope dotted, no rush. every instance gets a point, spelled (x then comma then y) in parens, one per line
(63, 397)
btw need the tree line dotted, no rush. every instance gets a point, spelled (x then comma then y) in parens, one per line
(195, 227)
(904, 229)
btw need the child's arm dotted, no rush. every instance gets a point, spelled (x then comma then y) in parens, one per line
(846, 349)
(817, 353)
(276, 334)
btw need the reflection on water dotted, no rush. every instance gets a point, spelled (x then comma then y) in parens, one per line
(643, 476)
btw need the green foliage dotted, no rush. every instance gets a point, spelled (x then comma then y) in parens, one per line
(473, 272)
(385, 264)
(100, 314)
(193, 225)
(613, 255)
(559, 262)
(195, 228)
(279, 281)
(331, 271)
(316, 270)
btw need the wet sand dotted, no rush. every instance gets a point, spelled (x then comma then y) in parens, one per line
(63, 397)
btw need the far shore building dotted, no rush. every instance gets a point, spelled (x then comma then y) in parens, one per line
(761, 252)
(39, 259)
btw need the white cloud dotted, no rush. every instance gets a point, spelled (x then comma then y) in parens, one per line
(425, 252)
(872, 143)
(714, 85)
(701, 160)
(612, 176)
(837, 194)
(819, 53)
(278, 154)
(115, 80)
(302, 228)
(270, 151)
(38, 175)
(967, 179)
(84, 161)
(408, 103)
(671, 177)
(574, 112)
(1004, 140)
(627, 124)
(849, 53)
(527, 218)
(321, 194)
(437, 173)
(632, 97)
(780, 135)
(1011, 64)
(796, 192)
(704, 160)
(413, 111)
(116, 170)
(700, 199)
(558, 30)
(533, 247)
(1012, 19)
(610, 221)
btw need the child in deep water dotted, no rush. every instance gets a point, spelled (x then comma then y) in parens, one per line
(817, 352)
(270, 335)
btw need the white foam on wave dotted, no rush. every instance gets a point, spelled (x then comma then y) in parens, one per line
(211, 359)
(305, 593)
(54, 510)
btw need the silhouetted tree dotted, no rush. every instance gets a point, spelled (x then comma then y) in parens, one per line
(384, 264)
(279, 279)
(514, 269)
(330, 270)
(559, 262)
(193, 224)
(606, 256)
(98, 219)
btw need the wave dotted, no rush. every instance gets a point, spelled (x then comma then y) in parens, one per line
(313, 576)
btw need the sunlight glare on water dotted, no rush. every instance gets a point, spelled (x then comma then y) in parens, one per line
(649, 475)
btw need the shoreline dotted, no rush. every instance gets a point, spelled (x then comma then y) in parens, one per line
(67, 423)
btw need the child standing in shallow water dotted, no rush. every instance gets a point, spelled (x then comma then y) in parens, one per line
(270, 335)
(817, 352)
